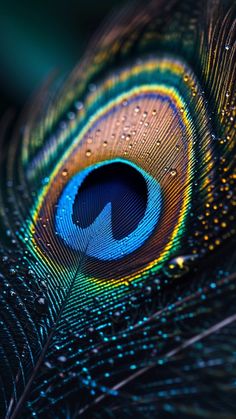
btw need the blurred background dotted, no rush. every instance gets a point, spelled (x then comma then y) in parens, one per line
(39, 36)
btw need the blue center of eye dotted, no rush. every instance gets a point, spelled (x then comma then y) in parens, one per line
(109, 209)
(122, 186)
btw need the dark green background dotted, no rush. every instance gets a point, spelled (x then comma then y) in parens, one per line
(38, 37)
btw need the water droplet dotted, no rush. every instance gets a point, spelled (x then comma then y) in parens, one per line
(62, 359)
(137, 109)
(43, 284)
(173, 172)
(79, 105)
(48, 364)
(12, 271)
(71, 116)
(92, 87)
(45, 180)
(179, 266)
(88, 153)
(41, 304)
(31, 273)
(64, 172)
(147, 290)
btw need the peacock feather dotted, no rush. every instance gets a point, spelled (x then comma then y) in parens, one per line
(118, 226)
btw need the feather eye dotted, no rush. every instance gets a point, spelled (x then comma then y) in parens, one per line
(112, 193)
(152, 135)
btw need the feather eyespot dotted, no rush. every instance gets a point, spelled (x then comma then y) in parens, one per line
(144, 138)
